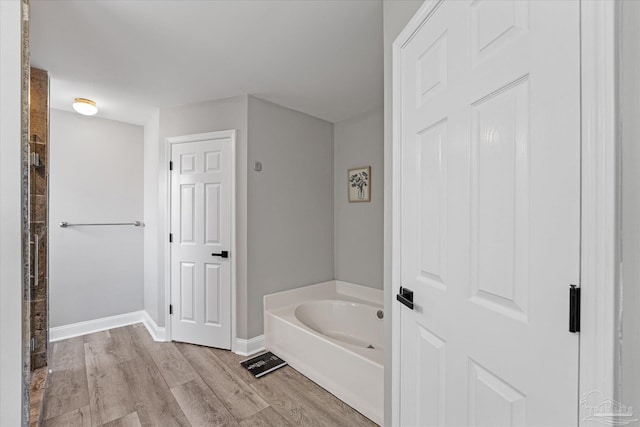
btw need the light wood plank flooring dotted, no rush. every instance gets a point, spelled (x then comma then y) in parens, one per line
(36, 390)
(122, 377)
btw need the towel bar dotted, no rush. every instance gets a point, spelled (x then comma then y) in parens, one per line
(65, 224)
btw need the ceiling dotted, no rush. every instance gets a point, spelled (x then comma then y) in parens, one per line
(321, 57)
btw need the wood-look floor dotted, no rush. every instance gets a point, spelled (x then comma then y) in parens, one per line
(122, 377)
(36, 390)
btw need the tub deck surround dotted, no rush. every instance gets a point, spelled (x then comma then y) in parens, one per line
(331, 290)
(303, 327)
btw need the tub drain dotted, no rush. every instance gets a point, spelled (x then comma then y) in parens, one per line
(370, 346)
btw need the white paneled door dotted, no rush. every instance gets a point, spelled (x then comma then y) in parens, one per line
(488, 121)
(201, 240)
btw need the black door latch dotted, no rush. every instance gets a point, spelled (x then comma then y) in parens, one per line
(405, 296)
(574, 309)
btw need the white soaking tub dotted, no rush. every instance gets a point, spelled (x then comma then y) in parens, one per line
(332, 333)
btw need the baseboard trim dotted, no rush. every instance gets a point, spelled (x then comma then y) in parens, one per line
(90, 326)
(157, 333)
(242, 347)
(250, 346)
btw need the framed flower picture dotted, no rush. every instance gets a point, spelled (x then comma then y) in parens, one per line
(359, 184)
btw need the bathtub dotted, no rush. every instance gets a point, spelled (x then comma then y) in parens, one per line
(331, 332)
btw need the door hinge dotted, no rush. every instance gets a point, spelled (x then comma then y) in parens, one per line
(170, 237)
(170, 165)
(170, 308)
(574, 309)
(33, 344)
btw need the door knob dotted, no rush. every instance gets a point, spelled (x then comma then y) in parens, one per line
(405, 296)
(222, 254)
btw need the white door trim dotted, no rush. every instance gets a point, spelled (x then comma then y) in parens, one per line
(599, 258)
(599, 253)
(231, 134)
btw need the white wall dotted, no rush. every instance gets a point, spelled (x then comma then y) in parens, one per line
(630, 138)
(358, 227)
(290, 204)
(152, 286)
(395, 16)
(10, 216)
(96, 176)
(210, 116)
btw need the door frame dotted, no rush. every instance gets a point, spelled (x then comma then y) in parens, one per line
(599, 200)
(169, 142)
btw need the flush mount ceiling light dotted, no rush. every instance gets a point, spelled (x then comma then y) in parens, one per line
(85, 106)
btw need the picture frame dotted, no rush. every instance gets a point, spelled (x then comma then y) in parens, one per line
(359, 184)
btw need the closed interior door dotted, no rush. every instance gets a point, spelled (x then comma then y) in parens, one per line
(489, 129)
(201, 231)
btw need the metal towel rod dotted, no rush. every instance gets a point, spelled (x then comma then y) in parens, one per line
(65, 224)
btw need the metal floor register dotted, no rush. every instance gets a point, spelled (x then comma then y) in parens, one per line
(263, 364)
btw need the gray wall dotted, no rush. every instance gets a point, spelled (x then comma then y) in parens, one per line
(96, 176)
(151, 247)
(630, 138)
(290, 206)
(277, 215)
(395, 16)
(210, 116)
(358, 227)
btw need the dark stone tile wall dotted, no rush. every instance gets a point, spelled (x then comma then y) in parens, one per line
(39, 195)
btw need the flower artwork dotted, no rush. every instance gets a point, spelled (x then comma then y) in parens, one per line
(359, 184)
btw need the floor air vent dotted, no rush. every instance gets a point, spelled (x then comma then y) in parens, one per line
(263, 364)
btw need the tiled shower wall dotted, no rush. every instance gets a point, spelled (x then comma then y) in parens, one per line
(39, 191)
